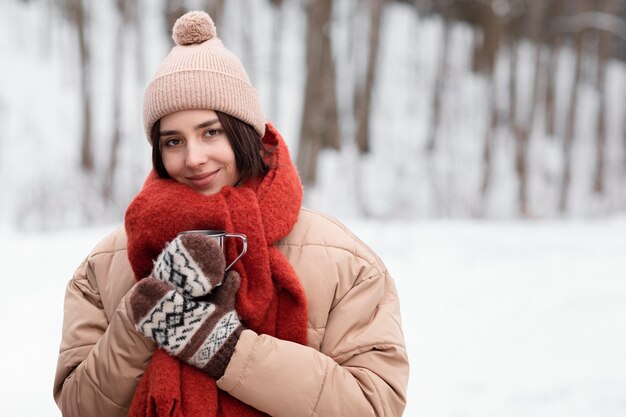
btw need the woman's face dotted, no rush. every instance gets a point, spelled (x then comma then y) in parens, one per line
(196, 151)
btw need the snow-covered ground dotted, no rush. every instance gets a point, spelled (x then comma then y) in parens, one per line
(501, 318)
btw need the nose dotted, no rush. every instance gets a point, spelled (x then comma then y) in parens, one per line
(196, 156)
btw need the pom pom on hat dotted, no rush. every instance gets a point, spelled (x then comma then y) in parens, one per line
(193, 27)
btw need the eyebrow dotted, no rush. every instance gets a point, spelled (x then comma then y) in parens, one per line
(200, 126)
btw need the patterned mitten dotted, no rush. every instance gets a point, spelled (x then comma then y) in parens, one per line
(193, 263)
(202, 333)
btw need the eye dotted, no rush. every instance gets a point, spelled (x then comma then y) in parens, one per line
(171, 142)
(209, 133)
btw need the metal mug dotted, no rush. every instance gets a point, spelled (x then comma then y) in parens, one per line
(219, 236)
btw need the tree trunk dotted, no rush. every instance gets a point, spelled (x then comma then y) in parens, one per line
(74, 11)
(320, 124)
(622, 55)
(215, 9)
(363, 100)
(519, 131)
(489, 136)
(523, 129)
(85, 85)
(551, 70)
(570, 127)
(513, 84)
(555, 9)
(482, 15)
(484, 60)
(124, 14)
(536, 22)
(277, 61)
(604, 38)
(439, 87)
(600, 167)
(140, 57)
(173, 10)
(247, 41)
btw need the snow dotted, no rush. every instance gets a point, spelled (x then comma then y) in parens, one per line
(501, 318)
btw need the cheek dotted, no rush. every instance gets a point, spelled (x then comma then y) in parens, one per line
(232, 162)
(171, 163)
(226, 155)
(232, 159)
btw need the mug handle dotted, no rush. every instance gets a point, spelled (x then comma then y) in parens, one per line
(244, 240)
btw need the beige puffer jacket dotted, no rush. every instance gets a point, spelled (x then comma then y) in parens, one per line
(355, 365)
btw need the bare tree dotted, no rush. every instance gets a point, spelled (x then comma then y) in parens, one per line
(126, 13)
(139, 52)
(215, 8)
(76, 13)
(570, 126)
(487, 162)
(247, 41)
(604, 38)
(554, 9)
(522, 125)
(363, 99)
(484, 57)
(622, 55)
(513, 99)
(173, 10)
(276, 57)
(320, 124)
(439, 87)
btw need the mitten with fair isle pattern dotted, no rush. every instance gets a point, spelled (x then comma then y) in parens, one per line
(193, 263)
(201, 332)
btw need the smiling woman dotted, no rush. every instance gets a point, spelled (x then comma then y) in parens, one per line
(196, 151)
(155, 324)
(249, 150)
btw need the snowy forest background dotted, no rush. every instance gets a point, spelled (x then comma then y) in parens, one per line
(392, 109)
(478, 146)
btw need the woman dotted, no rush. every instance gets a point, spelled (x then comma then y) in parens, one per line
(306, 323)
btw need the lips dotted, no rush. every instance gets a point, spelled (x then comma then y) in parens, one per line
(202, 180)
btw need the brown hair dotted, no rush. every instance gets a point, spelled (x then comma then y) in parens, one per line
(244, 139)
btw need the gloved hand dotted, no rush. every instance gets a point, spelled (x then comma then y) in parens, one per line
(201, 332)
(193, 263)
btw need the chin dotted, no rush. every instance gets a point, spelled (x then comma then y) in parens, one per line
(208, 192)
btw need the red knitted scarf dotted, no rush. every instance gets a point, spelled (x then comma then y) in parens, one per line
(270, 300)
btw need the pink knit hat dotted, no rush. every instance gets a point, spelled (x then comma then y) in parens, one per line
(200, 73)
